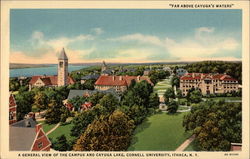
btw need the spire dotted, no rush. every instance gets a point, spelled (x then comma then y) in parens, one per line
(63, 55)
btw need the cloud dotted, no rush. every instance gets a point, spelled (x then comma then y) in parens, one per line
(97, 31)
(204, 43)
(140, 38)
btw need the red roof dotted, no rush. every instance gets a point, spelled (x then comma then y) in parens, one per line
(120, 80)
(87, 105)
(194, 76)
(49, 80)
(12, 101)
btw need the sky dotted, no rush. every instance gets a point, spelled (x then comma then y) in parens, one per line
(124, 35)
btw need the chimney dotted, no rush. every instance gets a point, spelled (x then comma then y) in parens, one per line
(202, 75)
(120, 78)
(138, 78)
(113, 77)
(27, 123)
(38, 127)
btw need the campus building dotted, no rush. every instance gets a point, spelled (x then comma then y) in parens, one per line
(118, 83)
(61, 79)
(208, 83)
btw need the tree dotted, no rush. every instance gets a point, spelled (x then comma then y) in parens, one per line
(95, 98)
(178, 93)
(172, 107)
(53, 113)
(108, 133)
(137, 113)
(216, 124)
(194, 96)
(77, 102)
(175, 81)
(81, 121)
(61, 144)
(24, 101)
(109, 101)
(169, 94)
(153, 100)
(40, 101)
(138, 95)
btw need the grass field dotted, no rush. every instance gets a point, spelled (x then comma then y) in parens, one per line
(192, 147)
(160, 132)
(62, 130)
(46, 127)
(161, 86)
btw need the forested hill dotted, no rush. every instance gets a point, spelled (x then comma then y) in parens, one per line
(233, 69)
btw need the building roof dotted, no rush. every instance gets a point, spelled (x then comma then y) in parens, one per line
(194, 76)
(22, 137)
(81, 93)
(62, 55)
(120, 80)
(111, 81)
(88, 77)
(12, 101)
(107, 71)
(49, 80)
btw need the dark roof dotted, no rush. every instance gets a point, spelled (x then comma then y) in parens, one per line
(88, 77)
(80, 93)
(22, 137)
(108, 71)
(23, 123)
(63, 55)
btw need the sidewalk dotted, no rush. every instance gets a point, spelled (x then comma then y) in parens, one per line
(185, 144)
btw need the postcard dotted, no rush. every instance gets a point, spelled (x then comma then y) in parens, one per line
(125, 79)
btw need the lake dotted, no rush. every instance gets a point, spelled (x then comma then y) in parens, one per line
(51, 70)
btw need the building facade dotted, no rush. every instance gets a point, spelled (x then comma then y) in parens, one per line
(62, 69)
(208, 83)
(118, 83)
(12, 109)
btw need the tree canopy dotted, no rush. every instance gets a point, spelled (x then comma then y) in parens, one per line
(108, 133)
(216, 124)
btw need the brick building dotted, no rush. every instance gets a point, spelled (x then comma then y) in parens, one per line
(208, 83)
(118, 83)
(12, 109)
(27, 135)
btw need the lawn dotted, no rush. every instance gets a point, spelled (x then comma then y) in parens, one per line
(226, 98)
(47, 127)
(161, 86)
(62, 130)
(192, 147)
(160, 132)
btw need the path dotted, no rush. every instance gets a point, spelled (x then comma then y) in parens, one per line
(54, 128)
(185, 144)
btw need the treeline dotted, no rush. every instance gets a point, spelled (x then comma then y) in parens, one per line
(233, 69)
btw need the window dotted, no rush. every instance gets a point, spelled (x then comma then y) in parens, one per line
(40, 145)
(61, 64)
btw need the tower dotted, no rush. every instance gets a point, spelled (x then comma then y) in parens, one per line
(62, 75)
(104, 66)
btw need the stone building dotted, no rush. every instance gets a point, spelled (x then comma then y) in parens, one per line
(118, 83)
(61, 79)
(208, 83)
